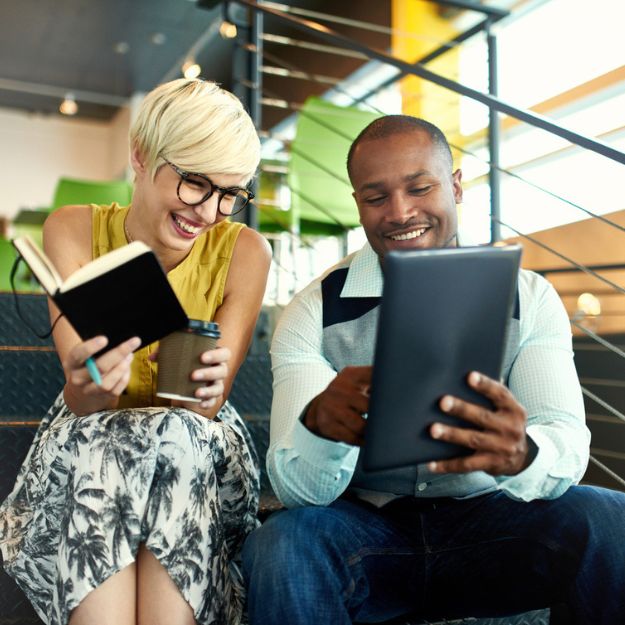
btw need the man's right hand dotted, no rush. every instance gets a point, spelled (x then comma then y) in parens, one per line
(336, 413)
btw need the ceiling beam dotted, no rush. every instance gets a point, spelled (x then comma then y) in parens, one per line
(52, 91)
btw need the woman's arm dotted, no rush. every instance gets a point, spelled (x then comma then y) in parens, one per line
(67, 242)
(237, 315)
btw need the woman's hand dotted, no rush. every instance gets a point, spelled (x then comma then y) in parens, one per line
(213, 375)
(82, 395)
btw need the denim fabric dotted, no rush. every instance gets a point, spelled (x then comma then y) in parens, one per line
(485, 556)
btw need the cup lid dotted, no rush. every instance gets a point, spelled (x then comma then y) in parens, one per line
(199, 326)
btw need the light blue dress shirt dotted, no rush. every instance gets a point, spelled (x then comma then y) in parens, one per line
(306, 469)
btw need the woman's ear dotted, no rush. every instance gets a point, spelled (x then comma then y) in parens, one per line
(137, 161)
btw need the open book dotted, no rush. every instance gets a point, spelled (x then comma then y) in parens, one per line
(121, 294)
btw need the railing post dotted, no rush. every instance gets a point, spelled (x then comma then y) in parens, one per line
(247, 82)
(493, 137)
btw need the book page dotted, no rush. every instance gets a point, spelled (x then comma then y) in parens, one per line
(104, 263)
(39, 264)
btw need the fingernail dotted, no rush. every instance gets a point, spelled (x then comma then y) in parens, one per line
(432, 467)
(447, 403)
(474, 378)
(436, 430)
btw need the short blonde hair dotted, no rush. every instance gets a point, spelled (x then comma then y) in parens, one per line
(197, 126)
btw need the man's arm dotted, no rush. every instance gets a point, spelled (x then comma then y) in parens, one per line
(303, 467)
(544, 381)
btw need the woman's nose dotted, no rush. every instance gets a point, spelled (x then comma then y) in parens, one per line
(207, 210)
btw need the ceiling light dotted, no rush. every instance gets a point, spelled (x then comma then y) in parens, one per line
(69, 106)
(121, 47)
(191, 69)
(228, 30)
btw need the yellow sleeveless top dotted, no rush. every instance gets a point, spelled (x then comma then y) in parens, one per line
(198, 281)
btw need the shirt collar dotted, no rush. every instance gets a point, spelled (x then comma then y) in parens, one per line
(364, 277)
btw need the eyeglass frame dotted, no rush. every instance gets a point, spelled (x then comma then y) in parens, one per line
(184, 175)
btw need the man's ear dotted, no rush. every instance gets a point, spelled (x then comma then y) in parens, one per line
(456, 180)
(137, 161)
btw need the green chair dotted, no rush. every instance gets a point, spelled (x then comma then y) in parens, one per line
(7, 256)
(24, 280)
(71, 191)
(321, 199)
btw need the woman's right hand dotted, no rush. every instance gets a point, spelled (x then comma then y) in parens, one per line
(82, 395)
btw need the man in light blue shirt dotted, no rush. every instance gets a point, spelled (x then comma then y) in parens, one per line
(500, 531)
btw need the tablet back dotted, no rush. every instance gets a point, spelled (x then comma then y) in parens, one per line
(443, 314)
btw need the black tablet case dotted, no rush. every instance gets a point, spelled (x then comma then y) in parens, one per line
(443, 314)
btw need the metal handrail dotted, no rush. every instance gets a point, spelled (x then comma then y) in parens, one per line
(498, 105)
(495, 106)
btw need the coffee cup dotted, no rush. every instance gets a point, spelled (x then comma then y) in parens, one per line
(179, 354)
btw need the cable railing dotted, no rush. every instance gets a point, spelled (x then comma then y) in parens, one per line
(355, 49)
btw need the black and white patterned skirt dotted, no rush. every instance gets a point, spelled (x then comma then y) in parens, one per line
(93, 488)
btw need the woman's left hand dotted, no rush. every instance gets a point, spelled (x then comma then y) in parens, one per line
(213, 374)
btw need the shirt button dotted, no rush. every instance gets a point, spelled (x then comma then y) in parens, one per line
(422, 486)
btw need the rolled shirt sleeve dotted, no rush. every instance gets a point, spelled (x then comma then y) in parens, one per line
(544, 381)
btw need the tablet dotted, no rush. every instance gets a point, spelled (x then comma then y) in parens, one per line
(443, 313)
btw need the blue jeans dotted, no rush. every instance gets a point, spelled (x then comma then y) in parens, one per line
(487, 556)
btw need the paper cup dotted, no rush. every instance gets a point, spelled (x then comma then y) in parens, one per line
(179, 355)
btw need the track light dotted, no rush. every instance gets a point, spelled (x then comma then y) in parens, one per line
(191, 69)
(228, 30)
(69, 106)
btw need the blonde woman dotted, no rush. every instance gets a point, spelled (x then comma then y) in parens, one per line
(129, 509)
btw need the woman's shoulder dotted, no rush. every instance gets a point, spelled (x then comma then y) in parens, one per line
(70, 223)
(67, 233)
(254, 241)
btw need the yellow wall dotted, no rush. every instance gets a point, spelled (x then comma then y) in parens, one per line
(419, 97)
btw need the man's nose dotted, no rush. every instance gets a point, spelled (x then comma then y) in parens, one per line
(400, 208)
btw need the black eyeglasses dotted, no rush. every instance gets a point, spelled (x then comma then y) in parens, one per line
(195, 189)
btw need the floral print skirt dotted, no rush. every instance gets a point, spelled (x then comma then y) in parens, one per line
(93, 488)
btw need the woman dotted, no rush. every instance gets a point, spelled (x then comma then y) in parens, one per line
(128, 510)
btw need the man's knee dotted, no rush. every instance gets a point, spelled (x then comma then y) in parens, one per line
(589, 516)
(288, 539)
(596, 507)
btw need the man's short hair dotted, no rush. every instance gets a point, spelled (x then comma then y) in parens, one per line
(197, 126)
(394, 124)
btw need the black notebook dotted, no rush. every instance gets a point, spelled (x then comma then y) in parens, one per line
(121, 294)
(443, 314)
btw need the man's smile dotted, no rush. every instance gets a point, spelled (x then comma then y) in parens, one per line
(409, 234)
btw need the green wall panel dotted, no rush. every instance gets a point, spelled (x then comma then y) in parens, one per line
(321, 196)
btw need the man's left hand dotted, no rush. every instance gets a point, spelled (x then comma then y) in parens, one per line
(500, 444)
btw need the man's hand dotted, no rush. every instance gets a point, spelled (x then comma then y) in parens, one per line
(336, 413)
(500, 443)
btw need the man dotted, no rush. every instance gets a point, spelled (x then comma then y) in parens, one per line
(498, 532)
